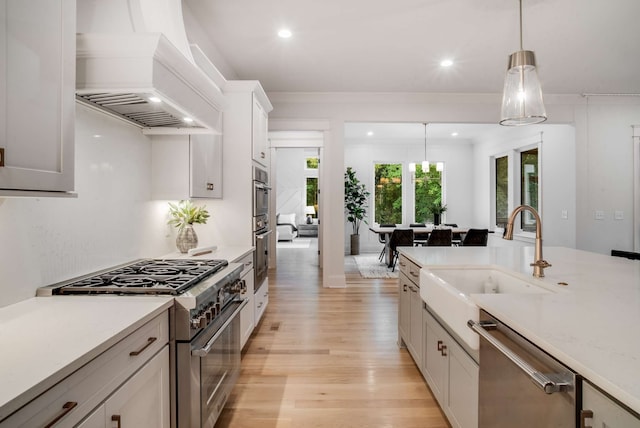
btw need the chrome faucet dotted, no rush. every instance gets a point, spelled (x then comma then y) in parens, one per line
(538, 263)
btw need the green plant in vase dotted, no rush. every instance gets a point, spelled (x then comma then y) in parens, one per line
(437, 209)
(183, 215)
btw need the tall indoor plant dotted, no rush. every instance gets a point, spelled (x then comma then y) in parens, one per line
(355, 205)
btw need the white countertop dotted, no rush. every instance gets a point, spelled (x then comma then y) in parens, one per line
(232, 254)
(44, 339)
(592, 328)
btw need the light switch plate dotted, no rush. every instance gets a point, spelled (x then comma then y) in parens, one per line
(618, 215)
(564, 214)
(599, 215)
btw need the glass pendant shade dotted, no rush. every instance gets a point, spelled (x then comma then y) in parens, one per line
(522, 99)
(425, 165)
(439, 166)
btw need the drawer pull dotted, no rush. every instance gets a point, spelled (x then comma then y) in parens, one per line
(116, 419)
(413, 274)
(209, 186)
(141, 350)
(440, 345)
(584, 415)
(66, 408)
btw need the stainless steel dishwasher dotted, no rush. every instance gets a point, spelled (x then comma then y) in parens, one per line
(521, 385)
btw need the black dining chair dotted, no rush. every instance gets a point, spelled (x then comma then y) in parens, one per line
(421, 237)
(382, 239)
(475, 238)
(456, 238)
(439, 238)
(399, 238)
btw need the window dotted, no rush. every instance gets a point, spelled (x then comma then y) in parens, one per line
(388, 193)
(312, 193)
(502, 191)
(311, 163)
(529, 187)
(427, 191)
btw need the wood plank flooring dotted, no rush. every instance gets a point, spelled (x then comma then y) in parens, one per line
(328, 357)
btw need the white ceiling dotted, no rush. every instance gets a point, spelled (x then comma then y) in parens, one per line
(582, 46)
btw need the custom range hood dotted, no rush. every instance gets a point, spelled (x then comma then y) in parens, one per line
(133, 62)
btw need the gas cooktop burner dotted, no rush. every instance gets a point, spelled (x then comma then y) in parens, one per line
(171, 276)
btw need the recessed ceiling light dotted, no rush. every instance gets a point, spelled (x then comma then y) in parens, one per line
(446, 63)
(454, 134)
(187, 119)
(285, 33)
(370, 133)
(155, 99)
(97, 136)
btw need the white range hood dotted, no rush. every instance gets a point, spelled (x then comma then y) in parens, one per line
(142, 76)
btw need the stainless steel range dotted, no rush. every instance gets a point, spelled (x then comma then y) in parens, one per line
(205, 324)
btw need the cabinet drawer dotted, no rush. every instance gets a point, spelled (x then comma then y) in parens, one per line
(247, 263)
(410, 269)
(73, 398)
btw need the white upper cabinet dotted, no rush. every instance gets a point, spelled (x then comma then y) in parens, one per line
(187, 166)
(37, 101)
(259, 138)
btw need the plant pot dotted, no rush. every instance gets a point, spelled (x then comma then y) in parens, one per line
(355, 245)
(186, 239)
(436, 219)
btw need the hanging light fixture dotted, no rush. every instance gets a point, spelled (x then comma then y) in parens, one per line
(425, 162)
(522, 98)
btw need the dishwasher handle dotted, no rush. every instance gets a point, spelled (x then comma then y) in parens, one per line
(540, 379)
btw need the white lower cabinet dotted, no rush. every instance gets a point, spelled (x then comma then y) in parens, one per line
(410, 314)
(130, 380)
(261, 301)
(599, 411)
(451, 374)
(141, 402)
(247, 315)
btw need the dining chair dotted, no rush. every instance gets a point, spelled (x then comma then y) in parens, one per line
(475, 238)
(399, 238)
(419, 238)
(383, 240)
(439, 238)
(456, 238)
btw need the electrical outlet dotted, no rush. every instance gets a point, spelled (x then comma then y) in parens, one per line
(599, 215)
(564, 214)
(618, 215)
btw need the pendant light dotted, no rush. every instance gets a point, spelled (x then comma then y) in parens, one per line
(522, 98)
(425, 162)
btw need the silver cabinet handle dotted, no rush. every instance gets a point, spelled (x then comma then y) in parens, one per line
(540, 379)
(263, 235)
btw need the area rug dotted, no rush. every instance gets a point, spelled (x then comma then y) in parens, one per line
(370, 267)
(296, 243)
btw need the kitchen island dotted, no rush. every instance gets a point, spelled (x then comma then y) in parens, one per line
(589, 324)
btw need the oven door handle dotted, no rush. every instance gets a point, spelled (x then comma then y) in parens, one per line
(263, 235)
(262, 187)
(540, 379)
(204, 350)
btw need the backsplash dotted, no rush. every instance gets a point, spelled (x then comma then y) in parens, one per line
(112, 221)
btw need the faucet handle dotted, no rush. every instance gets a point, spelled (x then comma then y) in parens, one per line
(541, 263)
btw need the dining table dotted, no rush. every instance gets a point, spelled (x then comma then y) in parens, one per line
(424, 230)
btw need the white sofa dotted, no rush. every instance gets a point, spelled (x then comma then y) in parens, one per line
(286, 228)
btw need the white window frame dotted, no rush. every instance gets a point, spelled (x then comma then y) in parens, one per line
(405, 173)
(412, 190)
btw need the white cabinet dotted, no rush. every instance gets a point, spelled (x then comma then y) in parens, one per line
(599, 411)
(410, 316)
(141, 402)
(186, 166)
(247, 314)
(115, 381)
(37, 96)
(259, 138)
(261, 300)
(451, 374)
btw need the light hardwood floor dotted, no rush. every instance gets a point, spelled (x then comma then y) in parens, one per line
(328, 357)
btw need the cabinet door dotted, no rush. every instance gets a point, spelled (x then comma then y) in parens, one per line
(143, 401)
(415, 324)
(435, 361)
(605, 412)
(205, 166)
(462, 395)
(404, 310)
(259, 133)
(37, 89)
(247, 314)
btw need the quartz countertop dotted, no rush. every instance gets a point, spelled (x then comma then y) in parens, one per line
(45, 339)
(230, 253)
(591, 326)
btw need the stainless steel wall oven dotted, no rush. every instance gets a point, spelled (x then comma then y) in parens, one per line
(261, 229)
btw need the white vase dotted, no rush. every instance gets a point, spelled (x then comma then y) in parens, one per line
(186, 239)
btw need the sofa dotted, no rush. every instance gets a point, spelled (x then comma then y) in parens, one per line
(286, 228)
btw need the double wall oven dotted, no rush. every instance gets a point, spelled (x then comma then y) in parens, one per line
(261, 229)
(205, 325)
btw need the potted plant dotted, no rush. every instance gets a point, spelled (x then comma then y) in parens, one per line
(355, 204)
(437, 209)
(183, 216)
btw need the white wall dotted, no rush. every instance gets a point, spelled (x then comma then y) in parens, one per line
(291, 191)
(361, 155)
(112, 221)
